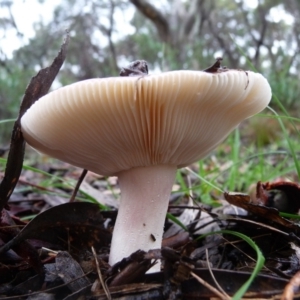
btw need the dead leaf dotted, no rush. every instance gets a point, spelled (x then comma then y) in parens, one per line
(80, 223)
(269, 213)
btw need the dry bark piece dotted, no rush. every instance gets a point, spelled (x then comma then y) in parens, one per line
(216, 67)
(141, 130)
(177, 240)
(70, 272)
(133, 268)
(136, 68)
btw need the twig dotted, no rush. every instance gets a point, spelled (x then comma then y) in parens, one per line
(109, 35)
(155, 16)
(104, 286)
(75, 191)
(210, 287)
(257, 223)
(213, 276)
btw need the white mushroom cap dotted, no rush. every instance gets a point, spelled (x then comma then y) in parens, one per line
(115, 124)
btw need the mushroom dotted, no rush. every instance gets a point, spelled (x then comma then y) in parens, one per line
(142, 129)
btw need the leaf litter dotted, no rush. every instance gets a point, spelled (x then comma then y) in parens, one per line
(62, 253)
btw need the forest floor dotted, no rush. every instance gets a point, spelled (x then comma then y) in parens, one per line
(52, 248)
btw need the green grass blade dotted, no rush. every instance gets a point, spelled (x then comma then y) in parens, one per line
(204, 180)
(176, 221)
(7, 121)
(259, 262)
(234, 158)
(288, 215)
(286, 136)
(70, 184)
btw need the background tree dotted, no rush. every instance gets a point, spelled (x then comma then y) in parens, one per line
(170, 34)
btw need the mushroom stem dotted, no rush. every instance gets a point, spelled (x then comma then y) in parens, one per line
(145, 193)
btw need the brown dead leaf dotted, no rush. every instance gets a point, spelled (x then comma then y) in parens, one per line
(78, 223)
(269, 213)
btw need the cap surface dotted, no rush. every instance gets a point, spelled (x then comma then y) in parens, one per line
(113, 124)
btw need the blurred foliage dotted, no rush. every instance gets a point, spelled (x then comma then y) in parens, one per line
(13, 82)
(169, 34)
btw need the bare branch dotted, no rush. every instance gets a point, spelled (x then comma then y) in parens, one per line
(194, 16)
(225, 46)
(153, 14)
(109, 34)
